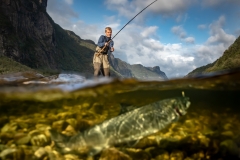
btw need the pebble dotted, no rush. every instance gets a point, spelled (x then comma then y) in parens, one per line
(40, 153)
(9, 127)
(7, 152)
(201, 136)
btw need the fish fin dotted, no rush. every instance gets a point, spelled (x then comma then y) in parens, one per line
(60, 141)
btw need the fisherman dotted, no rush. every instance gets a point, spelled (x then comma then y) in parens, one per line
(100, 59)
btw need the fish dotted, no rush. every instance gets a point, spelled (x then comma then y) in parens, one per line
(128, 127)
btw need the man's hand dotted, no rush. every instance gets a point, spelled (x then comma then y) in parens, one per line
(106, 44)
(112, 49)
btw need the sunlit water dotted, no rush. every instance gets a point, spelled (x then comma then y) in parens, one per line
(30, 105)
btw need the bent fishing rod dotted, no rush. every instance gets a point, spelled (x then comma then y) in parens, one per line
(127, 24)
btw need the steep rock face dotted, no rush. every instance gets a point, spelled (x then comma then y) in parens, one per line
(28, 34)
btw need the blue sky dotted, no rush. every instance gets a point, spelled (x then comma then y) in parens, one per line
(176, 35)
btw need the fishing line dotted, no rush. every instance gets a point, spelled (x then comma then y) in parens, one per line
(127, 24)
(133, 18)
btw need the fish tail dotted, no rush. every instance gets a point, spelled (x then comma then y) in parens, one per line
(60, 141)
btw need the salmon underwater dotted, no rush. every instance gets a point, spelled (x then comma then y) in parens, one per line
(128, 127)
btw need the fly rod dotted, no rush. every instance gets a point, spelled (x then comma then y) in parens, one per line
(127, 24)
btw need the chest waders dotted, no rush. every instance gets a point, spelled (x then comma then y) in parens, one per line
(100, 61)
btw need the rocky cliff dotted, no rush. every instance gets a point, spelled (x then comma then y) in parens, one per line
(27, 33)
(29, 36)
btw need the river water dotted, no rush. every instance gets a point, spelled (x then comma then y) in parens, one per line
(31, 104)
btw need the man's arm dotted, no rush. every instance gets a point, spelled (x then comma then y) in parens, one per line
(111, 46)
(101, 41)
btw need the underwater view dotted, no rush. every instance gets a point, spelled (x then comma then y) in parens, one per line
(69, 117)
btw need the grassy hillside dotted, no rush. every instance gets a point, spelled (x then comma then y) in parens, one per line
(229, 60)
(72, 55)
(7, 65)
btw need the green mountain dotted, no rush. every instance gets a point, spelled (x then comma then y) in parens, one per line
(229, 60)
(30, 38)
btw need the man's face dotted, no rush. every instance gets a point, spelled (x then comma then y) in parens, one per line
(108, 33)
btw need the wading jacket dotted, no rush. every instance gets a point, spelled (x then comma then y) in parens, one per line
(102, 40)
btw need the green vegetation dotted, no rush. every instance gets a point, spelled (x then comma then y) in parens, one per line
(8, 65)
(229, 60)
(73, 53)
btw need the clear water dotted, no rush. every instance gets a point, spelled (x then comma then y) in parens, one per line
(30, 105)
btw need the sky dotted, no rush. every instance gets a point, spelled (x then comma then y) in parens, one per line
(177, 35)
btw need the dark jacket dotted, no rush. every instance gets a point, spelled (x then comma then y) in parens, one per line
(102, 40)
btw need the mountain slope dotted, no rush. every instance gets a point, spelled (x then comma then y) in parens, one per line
(229, 60)
(30, 36)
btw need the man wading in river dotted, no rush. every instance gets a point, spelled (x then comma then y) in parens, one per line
(100, 59)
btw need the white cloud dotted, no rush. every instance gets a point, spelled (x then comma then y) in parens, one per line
(61, 13)
(146, 50)
(86, 31)
(117, 2)
(215, 45)
(180, 32)
(149, 31)
(183, 59)
(202, 26)
(189, 40)
(70, 2)
(129, 8)
(182, 18)
(218, 35)
(215, 3)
